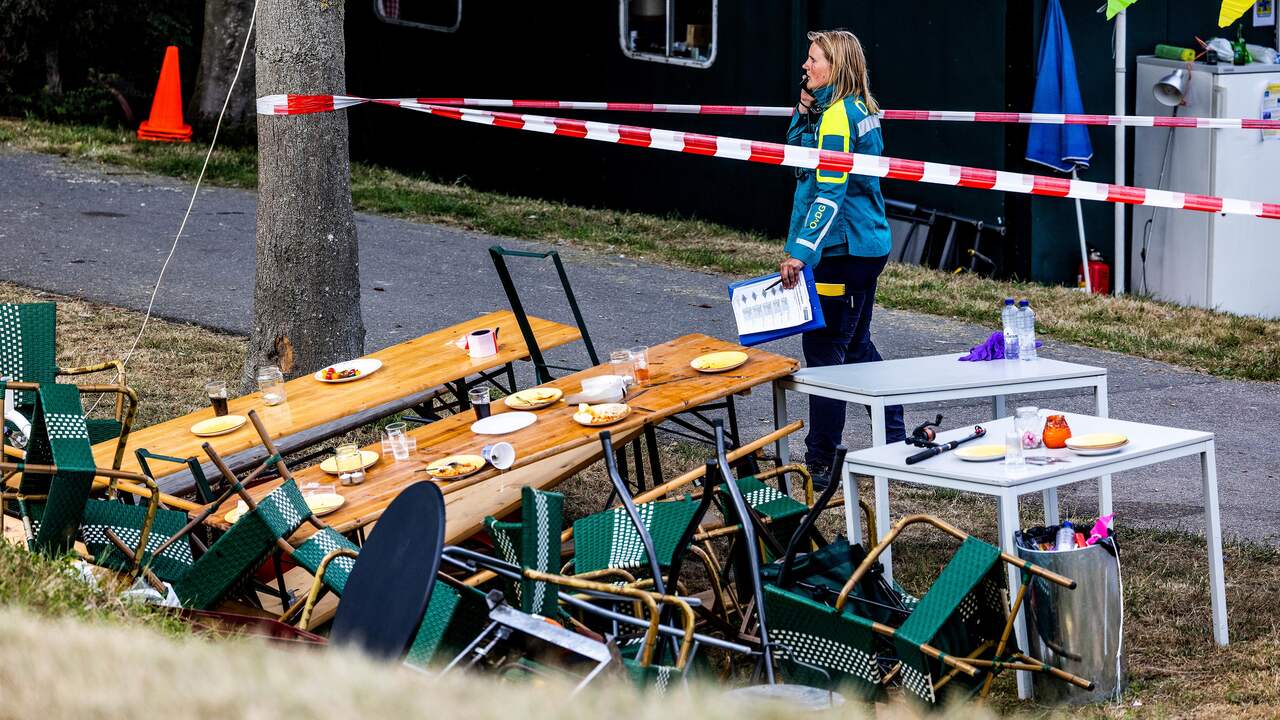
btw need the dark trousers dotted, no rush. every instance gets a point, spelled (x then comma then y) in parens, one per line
(845, 339)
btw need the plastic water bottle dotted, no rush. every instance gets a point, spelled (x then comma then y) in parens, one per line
(1026, 331)
(1008, 318)
(1066, 537)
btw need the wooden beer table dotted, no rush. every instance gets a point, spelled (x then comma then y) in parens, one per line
(550, 450)
(412, 373)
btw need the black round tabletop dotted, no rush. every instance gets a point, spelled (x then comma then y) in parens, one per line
(386, 596)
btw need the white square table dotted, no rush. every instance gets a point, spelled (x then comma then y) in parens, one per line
(935, 378)
(1148, 445)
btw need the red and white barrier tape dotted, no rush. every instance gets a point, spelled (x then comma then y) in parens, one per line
(301, 104)
(811, 158)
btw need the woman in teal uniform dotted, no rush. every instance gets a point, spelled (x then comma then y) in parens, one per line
(838, 227)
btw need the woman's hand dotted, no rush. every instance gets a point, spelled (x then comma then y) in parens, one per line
(790, 270)
(806, 100)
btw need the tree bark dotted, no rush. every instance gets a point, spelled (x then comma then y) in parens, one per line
(52, 69)
(306, 300)
(225, 22)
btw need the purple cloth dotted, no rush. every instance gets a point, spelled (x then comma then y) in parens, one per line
(992, 349)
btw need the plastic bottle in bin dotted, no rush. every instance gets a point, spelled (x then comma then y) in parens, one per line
(1066, 537)
(1008, 318)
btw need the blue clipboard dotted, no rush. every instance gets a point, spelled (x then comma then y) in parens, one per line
(817, 322)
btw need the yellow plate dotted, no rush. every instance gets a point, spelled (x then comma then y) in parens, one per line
(330, 465)
(217, 425)
(455, 466)
(533, 398)
(980, 453)
(232, 516)
(1097, 441)
(603, 414)
(718, 361)
(320, 504)
(325, 503)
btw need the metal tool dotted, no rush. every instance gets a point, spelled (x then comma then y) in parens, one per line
(978, 431)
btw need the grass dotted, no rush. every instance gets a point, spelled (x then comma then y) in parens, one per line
(1212, 342)
(76, 643)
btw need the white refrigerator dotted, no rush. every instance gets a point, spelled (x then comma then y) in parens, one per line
(1227, 262)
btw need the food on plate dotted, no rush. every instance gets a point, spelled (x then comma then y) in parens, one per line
(331, 373)
(718, 361)
(533, 398)
(455, 466)
(602, 414)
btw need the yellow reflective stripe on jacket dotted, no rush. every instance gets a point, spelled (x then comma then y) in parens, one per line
(834, 125)
(829, 289)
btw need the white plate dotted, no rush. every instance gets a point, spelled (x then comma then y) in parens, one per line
(216, 426)
(366, 366)
(503, 423)
(980, 453)
(1102, 451)
(367, 459)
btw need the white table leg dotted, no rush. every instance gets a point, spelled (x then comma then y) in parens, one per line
(852, 523)
(882, 524)
(780, 448)
(1104, 482)
(1008, 524)
(1213, 536)
(878, 437)
(997, 407)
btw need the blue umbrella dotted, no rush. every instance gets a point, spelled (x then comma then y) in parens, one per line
(1061, 147)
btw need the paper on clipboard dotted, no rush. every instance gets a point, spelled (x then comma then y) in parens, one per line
(765, 312)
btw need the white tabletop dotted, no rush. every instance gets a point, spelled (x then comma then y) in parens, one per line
(1143, 440)
(938, 373)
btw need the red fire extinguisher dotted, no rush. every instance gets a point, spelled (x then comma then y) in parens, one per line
(1099, 274)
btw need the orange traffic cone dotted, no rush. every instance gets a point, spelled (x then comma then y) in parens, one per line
(165, 123)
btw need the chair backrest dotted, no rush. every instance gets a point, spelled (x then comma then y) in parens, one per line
(533, 543)
(240, 550)
(831, 649)
(28, 342)
(390, 587)
(541, 368)
(963, 608)
(59, 437)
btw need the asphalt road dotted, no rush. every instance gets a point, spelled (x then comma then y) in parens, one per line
(102, 234)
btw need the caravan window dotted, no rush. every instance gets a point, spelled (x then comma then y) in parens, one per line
(680, 32)
(439, 15)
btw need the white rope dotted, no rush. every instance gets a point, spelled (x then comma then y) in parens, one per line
(146, 319)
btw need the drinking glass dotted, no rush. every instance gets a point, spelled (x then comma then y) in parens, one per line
(479, 399)
(347, 458)
(620, 364)
(1013, 457)
(271, 384)
(640, 363)
(216, 391)
(1056, 432)
(395, 439)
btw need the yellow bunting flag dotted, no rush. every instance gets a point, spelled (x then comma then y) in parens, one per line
(1232, 10)
(1115, 7)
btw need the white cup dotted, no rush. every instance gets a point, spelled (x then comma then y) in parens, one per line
(482, 343)
(501, 455)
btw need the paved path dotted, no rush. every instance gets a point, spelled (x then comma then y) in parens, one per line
(102, 234)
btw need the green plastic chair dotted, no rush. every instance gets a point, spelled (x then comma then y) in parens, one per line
(28, 353)
(534, 543)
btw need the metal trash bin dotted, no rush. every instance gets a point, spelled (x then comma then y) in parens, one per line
(1080, 631)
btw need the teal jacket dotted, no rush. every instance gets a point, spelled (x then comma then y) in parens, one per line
(837, 213)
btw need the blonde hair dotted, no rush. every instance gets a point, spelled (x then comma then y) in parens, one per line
(849, 75)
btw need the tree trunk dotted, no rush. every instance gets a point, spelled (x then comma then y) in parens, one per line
(306, 299)
(52, 69)
(225, 22)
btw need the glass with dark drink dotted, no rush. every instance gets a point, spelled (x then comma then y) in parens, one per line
(479, 399)
(216, 390)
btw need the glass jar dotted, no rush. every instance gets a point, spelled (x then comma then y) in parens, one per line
(271, 384)
(1056, 432)
(1030, 426)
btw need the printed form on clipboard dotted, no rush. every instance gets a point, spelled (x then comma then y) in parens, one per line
(765, 311)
